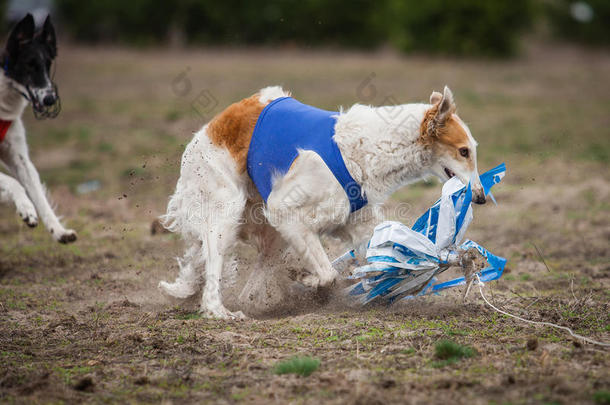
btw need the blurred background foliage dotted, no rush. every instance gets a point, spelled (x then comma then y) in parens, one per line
(586, 22)
(463, 27)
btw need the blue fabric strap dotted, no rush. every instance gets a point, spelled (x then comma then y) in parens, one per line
(286, 126)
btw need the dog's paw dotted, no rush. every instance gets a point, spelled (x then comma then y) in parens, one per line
(27, 212)
(328, 279)
(315, 281)
(237, 315)
(67, 236)
(222, 313)
(311, 281)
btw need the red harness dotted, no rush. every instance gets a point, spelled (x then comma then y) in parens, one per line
(4, 126)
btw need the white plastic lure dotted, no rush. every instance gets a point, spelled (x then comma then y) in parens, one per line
(404, 261)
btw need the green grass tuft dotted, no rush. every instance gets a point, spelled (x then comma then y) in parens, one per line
(602, 397)
(448, 352)
(302, 366)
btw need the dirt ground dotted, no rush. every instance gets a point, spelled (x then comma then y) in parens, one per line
(86, 323)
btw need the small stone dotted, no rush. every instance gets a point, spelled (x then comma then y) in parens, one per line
(85, 384)
(532, 344)
(143, 380)
(388, 383)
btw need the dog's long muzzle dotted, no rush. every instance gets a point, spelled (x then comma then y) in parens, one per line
(47, 104)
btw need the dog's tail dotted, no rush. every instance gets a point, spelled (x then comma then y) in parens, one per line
(171, 219)
(183, 213)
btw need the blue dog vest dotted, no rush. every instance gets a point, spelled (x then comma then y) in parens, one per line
(285, 126)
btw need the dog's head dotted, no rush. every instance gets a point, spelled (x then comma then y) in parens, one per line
(453, 148)
(27, 62)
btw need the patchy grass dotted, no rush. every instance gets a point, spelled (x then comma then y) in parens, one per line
(191, 315)
(408, 351)
(302, 366)
(68, 375)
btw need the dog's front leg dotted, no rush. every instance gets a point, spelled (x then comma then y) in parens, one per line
(307, 245)
(11, 191)
(359, 227)
(14, 154)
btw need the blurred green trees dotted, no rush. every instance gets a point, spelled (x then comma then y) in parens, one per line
(460, 27)
(582, 21)
(467, 27)
(131, 21)
(306, 22)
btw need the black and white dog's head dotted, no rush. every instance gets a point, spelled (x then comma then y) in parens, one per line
(27, 62)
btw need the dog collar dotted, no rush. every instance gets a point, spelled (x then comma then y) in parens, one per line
(4, 127)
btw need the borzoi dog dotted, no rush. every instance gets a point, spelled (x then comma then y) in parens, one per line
(313, 172)
(26, 62)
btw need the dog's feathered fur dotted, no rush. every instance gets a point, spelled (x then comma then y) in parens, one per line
(215, 202)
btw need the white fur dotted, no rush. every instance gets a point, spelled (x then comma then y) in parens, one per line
(380, 151)
(271, 93)
(379, 147)
(24, 187)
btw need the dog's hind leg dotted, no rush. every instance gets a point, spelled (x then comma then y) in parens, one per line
(225, 211)
(207, 210)
(189, 278)
(211, 224)
(11, 190)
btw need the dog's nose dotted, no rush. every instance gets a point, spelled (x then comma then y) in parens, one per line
(478, 199)
(49, 100)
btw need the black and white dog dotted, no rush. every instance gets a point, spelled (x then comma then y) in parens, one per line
(26, 62)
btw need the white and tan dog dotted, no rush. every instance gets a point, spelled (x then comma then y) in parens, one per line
(383, 148)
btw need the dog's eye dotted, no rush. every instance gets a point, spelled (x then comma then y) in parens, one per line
(464, 152)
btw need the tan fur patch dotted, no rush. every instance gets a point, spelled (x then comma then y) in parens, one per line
(232, 128)
(450, 132)
(453, 137)
(453, 134)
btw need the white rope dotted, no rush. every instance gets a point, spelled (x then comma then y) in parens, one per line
(480, 283)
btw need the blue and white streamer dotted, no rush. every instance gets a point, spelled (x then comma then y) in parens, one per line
(404, 261)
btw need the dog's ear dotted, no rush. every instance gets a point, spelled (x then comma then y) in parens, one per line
(435, 97)
(437, 116)
(48, 38)
(21, 34)
(446, 106)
